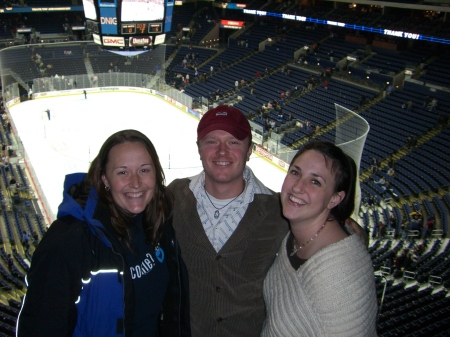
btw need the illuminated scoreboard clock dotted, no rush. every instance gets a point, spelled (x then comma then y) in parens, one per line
(141, 28)
(129, 28)
(155, 28)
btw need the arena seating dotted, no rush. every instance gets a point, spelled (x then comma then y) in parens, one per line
(415, 296)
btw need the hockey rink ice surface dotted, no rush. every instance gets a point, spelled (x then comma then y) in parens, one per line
(77, 128)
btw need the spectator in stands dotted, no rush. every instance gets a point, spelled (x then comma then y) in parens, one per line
(289, 116)
(362, 101)
(10, 262)
(390, 162)
(426, 102)
(392, 221)
(322, 274)
(375, 162)
(409, 105)
(267, 125)
(433, 105)
(415, 223)
(409, 141)
(404, 230)
(311, 131)
(307, 124)
(113, 231)
(413, 141)
(442, 120)
(236, 85)
(389, 89)
(35, 238)
(404, 261)
(429, 225)
(25, 239)
(331, 55)
(381, 229)
(218, 93)
(305, 86)
(280, 116)
(391, 172)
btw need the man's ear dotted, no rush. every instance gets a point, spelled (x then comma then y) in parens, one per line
(198, 149)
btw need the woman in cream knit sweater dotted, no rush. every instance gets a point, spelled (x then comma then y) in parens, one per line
(322, 281)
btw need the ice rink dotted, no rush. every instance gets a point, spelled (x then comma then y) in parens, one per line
(77, 128)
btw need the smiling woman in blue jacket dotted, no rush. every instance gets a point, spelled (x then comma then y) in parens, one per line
(110, 264)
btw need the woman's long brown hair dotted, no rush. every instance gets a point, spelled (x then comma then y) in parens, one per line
(160, 206)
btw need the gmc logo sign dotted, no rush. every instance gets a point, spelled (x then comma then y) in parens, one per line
(113, 41)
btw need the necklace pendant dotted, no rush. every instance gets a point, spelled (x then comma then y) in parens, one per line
(216, 214)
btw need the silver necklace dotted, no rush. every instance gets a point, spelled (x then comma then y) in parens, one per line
(217, 212)
(295, 249)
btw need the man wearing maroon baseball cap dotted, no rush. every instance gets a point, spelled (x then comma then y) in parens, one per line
(229, 227)
(225, 118)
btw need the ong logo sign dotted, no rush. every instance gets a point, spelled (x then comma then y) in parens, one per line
(108, 21)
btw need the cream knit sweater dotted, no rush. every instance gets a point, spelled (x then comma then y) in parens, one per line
(332, 294)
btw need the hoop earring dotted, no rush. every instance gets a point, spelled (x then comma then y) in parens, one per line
(107, 188)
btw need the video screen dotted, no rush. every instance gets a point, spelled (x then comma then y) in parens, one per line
(142, 10)
(89, 9)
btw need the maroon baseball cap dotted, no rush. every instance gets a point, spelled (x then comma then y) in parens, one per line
(227, 118)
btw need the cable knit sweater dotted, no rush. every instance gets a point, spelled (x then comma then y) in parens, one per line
(331, 294)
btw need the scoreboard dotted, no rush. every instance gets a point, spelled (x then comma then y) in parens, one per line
(128, 23)
(141, 28)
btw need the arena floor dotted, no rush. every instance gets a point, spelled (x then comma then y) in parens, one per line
(77, 128)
